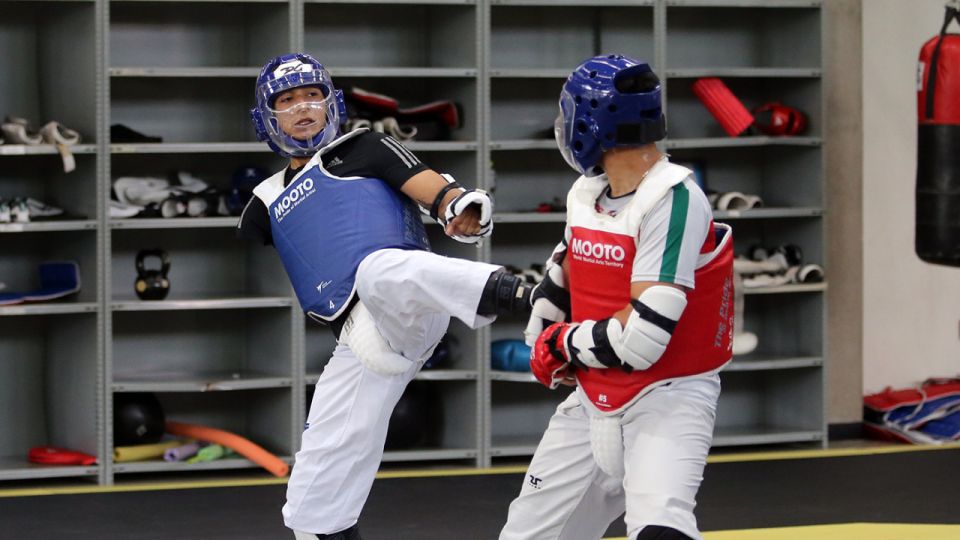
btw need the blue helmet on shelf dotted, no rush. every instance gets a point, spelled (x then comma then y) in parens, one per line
(608, 101)
(284, 73)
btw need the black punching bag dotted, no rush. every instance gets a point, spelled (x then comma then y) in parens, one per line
(938, 148)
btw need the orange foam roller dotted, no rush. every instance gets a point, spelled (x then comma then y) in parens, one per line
(240, 445)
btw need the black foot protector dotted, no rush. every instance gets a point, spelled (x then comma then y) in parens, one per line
(505, 294)
(353, 533)
(656, 532)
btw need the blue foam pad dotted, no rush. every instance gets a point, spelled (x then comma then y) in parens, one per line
(57, 279)
(510, 355)
(11, 298)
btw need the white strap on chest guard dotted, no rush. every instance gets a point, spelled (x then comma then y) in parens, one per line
(638, 345)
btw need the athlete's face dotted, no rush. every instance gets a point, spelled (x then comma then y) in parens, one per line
(301, 111)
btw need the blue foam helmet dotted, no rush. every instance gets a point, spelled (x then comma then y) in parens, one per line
(608, 101)
(284, 73)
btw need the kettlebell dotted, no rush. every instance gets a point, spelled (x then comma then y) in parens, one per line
(152, 284)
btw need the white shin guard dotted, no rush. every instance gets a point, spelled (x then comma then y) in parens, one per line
(361, 335)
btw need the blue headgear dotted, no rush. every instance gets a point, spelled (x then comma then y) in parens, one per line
(607, 101)
(284, 73)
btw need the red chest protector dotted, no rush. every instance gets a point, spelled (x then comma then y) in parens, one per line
(600, 265)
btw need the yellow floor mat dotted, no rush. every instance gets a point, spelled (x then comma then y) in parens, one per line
(845, 531)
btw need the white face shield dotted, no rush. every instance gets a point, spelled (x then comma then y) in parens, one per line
(563, 130)
(321, 109)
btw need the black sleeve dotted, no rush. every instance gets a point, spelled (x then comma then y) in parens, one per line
(255, 223)
(387, 159)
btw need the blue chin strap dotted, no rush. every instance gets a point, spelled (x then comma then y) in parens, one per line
(608, 101)
(285, 73)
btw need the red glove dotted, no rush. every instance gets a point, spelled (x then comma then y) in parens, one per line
(549, 360)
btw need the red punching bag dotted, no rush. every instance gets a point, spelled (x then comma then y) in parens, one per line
(938, 147)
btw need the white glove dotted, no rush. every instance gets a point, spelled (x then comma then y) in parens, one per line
(458, 205)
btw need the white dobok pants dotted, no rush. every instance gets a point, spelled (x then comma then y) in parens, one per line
(667, 435)
(411, 295)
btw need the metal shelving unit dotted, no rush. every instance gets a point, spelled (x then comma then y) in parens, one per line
(231, 344)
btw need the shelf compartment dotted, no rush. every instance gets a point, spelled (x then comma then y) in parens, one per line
(787, 325)
(41, 177)
(43, 44)
(217, 170)
(519, 414)
(157, 466)
(758, 407)
(522, 112)
(23, 254)
(262, 416)
(250, 73)
(787, 289)
(48, 226)
(789, 179)
(432, 35)
(748, 141)
(202, 350)
(807, 234)
(190, 148)
(720, 215)
(763, 434)
(688, 118)
(48, 308)
(413, 92)
(460, 363)
(529, 217)
(51, 363)
(405, 72)
(215, 382)
(769, 213)
(16, 467)
(398, 2)
(524, 34)
(197, 34)
(533, 247)
(424, 375)
(201, 304)
(228, 222)
(209, 269)
(184, 110)
(516, 446)
(743, 35)
(746, 3)
(522, 181)
(429, 455)
(750, 363)
(573, 3)
(559, 74)
(524, 144)
(513, 376)
(750, 72)
(7, 149)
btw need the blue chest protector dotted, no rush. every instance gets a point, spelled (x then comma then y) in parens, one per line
(323, 226)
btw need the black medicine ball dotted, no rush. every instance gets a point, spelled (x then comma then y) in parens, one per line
(137, 419)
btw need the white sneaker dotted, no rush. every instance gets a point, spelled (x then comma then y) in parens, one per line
(19, 213)
(4, 211)
(361, 335)
(40, 210)
(17, 131)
